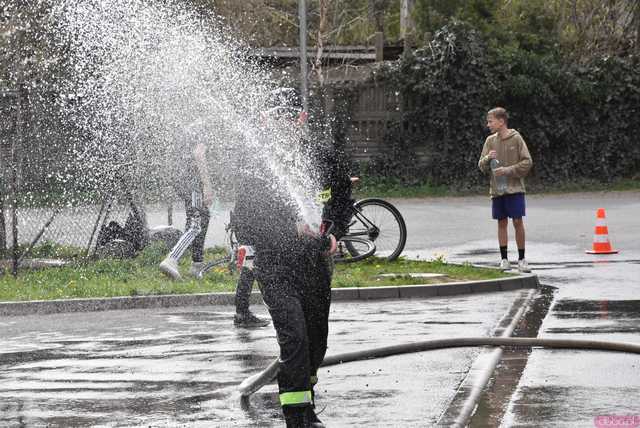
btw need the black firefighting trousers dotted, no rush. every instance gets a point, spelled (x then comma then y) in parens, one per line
(298, 294)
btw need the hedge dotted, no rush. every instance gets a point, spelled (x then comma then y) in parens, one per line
(580, 121)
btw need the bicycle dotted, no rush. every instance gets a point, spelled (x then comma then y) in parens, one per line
(240, 255)
(235, 256)
(376, 227)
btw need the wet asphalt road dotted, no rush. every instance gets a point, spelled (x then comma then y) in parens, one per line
(181, 366)
(597, 297)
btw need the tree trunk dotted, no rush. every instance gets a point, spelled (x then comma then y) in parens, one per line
(304, 82)
(407, 25)
(322, 36)
(376, 11)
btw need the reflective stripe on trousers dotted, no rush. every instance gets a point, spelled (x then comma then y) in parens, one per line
(295, 398)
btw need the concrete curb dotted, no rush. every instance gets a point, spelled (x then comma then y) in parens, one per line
(337, 294)
(435, 290)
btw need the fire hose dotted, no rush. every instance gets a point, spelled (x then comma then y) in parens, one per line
(257, 381)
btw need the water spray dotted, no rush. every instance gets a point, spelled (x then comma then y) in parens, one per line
(153, 78)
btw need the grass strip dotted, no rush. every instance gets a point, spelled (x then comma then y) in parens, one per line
(388, 188)
(140, 276)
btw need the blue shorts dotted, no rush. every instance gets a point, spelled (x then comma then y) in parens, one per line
(508, 206)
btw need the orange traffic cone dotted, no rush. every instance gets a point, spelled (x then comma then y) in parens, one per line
(601, 244)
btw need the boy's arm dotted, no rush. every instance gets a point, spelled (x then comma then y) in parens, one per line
(522, 168)
(483, 163)
(200, 156)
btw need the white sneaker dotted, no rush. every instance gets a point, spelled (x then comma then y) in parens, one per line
(169, 267)
(505, 265)
(196, 269)
(523, 266)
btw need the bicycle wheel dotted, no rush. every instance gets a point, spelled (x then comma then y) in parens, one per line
(380, 222)
(212, 264)
(352, 249)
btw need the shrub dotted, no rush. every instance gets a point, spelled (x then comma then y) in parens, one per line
(579, 121)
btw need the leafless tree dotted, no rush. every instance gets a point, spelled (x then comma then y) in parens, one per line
(323, 26)
(599, 27)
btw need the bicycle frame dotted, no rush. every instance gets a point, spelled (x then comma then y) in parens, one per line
(230, 260)
(372, 230)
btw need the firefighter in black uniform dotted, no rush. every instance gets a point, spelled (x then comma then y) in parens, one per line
(333, 169)
(294, 270)
(294, 267)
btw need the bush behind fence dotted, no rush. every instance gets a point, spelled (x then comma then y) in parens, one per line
(580, 121)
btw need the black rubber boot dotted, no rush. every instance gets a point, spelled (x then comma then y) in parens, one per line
(314, 421)
(312, 418)
(249, 320)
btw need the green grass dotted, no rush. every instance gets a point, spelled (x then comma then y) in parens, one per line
(365, 273)
(106, 278)
(394, 189)
(591, 186)
(47, 250)
(140, 276)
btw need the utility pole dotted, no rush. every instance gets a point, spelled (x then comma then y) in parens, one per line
(302, 21)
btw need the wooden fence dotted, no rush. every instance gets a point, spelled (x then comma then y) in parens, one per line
(373, 108)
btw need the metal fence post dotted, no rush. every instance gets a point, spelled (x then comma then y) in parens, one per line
(17, 142)
(3, 228)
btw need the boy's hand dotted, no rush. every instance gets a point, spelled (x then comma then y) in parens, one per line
(499, 172)
(304, 230)
(492, 154)
(333, 245)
